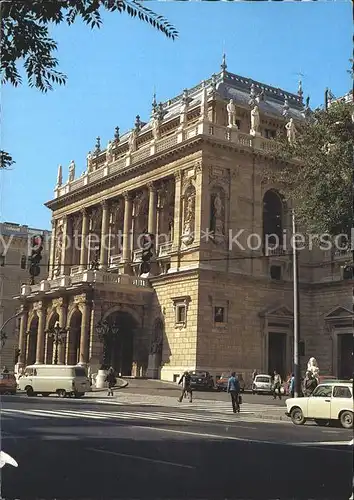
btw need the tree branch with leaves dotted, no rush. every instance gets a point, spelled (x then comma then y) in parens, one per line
(316, 171)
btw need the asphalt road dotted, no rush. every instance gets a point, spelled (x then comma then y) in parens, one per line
(158, 388)
(72, 449)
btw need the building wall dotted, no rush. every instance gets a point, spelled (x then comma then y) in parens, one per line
(14, 243)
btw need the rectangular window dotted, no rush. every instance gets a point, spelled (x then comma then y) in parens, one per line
(219, 315)
(341, 392)
(181, 313)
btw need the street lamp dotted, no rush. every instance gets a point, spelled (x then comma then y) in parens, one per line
(106, 332)
(58, 335)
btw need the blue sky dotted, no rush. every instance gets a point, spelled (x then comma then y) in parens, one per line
(112, 73)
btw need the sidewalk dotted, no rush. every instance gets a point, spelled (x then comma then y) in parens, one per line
(121, 384)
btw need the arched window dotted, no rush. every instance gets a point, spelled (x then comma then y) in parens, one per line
(272, 219)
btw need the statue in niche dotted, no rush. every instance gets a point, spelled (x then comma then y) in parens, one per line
(255, 121)
(109, 152)
(132, 141)
(72, 171)
(290, 131)
(218, 215)
(189, 215)
(231, 114)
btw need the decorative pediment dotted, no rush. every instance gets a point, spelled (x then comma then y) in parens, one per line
(278, 312)
(339, 312)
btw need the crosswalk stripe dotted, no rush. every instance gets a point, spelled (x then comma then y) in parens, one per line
(124, 415)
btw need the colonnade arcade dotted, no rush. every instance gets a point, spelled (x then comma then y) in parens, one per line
(107, 235)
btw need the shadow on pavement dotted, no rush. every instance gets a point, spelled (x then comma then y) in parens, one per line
(70, 465)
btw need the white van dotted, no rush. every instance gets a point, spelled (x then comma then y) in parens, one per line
(64, 380)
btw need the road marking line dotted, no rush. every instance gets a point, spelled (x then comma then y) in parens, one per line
(144, 459)
(229, 438)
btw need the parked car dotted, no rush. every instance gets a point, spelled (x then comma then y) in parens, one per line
(262, 384)
(64, 380)
(201, 380)
(221, 383)
(8, 383)
(330, 401)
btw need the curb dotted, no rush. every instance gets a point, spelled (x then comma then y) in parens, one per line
(122, 385)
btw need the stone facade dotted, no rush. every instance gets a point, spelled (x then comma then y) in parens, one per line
(216, 297)
(15, 244)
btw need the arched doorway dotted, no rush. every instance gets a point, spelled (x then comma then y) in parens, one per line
(74, 338)
(32, 341)
(120, 342)
(273, 208)
(50, 340)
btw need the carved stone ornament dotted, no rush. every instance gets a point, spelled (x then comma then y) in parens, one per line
(80, 299)
(38, 306)
(59, 302)
(290, 131)
(231, 114)
(155, 128)
(255, 121)
(116, 215)
(60, 176)
(140, 204)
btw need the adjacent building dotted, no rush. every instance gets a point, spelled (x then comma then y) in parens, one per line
(219, 293)
(15, 244)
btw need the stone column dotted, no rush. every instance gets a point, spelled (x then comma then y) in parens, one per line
(104, 233)
(201, 204)
(52, 250)
(40, 335)
(152, 209)
(84, 339)
(62, 312)
(178, 212)
(128, 208)
(22, 339)
(84, 233)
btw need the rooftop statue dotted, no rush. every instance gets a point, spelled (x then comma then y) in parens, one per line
(109, 152)
(71, 171)
(255, 121)
(89, 162)
(132, 141)
(231, 114)
(291, 131)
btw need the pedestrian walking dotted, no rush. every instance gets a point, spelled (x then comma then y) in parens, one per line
(292, 385)
(111, 379)
(233, 388)
(185, 380)
(310, 384)
(276, 385)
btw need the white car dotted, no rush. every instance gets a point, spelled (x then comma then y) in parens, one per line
(331, 401)
(262, 384)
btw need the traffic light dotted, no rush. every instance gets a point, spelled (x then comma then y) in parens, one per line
(147, 247)
(36, 255)
(347, 272)
(23, 262)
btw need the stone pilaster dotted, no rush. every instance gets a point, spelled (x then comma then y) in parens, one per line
(178, 212)
(40, 334)
(84, 233)
(62, 312)
(52, 250)
(84, 339)
(104, 235)
(128, 210)
(22, 338)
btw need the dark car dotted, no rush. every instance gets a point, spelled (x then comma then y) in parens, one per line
(201, 380)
